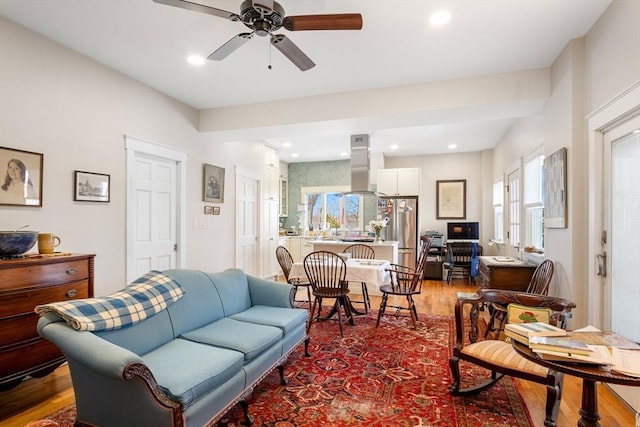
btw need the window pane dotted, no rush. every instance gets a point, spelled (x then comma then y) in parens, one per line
(536, 226)
(314, 203)
(533, 175)
(352, 211)
(334, 208)
(498, 193)
(498, 219)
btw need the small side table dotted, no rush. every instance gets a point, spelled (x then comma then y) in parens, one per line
(589, 415)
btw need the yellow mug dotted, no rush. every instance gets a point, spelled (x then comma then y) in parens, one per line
(47, 242)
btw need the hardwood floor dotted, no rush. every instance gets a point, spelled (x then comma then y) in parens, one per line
(37, 397)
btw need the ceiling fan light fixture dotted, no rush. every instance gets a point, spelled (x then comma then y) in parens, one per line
(265, 17)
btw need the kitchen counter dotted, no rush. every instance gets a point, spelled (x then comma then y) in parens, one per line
(386, 250)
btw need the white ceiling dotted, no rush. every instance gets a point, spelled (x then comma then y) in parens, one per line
(397, 46)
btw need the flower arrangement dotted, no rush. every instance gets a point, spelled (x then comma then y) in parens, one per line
(377, 225)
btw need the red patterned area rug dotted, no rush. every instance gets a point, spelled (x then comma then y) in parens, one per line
(387, 376)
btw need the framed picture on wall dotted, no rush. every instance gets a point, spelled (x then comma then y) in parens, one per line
(91, 187)
(20, 177)
(555, 190)
(213, 184)
(451, 199)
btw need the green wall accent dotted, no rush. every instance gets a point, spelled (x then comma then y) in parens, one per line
(317, 174)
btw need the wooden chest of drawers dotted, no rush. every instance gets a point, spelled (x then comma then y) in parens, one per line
(514, 275)
(25, 283)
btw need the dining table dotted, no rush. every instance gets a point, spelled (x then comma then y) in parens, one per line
(372, 272)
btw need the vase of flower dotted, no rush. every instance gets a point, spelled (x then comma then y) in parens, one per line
(377, 226)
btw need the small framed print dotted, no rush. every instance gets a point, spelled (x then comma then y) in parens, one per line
(208, 210)
(216, 210)
(555, 189)
(451, 199)
(213, 185)
(20, 177)
(91, 187)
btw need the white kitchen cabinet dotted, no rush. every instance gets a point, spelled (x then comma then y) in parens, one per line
(300, 247)
(293, 244)
(306, 247)
(271, 174)
(270, 240)
(271, 157)
(284, 170)
(399, 182)
(284, 197)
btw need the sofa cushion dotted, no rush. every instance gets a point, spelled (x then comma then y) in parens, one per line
(148, 295)
(187, 370)
(233, 288)
(250, 339)
(200, 305)
(287, 319)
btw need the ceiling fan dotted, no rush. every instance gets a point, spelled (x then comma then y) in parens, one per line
(264, 18)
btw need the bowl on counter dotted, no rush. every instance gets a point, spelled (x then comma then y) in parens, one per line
(16, 242)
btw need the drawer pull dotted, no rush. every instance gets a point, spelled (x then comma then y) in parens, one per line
(72, 293)
(71, 271)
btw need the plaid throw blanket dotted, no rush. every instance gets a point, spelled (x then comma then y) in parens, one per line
(145, 297)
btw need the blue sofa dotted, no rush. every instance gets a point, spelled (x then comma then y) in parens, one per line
(190, 362)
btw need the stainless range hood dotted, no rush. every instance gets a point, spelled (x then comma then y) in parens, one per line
(360, 166)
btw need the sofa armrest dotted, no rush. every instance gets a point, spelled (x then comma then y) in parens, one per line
(268, 292)
(84, 347)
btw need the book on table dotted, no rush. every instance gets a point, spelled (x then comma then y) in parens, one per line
(535, 329)
(560, 345)
(600, 355)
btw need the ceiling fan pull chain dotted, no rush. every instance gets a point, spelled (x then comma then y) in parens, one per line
(269, 66)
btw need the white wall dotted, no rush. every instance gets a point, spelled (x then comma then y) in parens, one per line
(76, 112)
(588, 73)
(467, 166)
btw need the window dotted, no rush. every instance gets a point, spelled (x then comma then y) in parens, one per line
(498, 215)
(327, 208)
(513, 192)
(534, 201)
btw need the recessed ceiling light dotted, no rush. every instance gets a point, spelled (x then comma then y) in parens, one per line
(294, 154)
(344, 154)
(440, 18)
(286, 144)
(452, 146)
(195, 60)
(394, 147)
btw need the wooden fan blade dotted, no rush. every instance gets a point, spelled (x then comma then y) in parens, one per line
(343, 21)
(230, 46)
(292, 52)
(196, 7)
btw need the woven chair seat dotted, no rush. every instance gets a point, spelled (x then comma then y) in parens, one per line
(502, 354)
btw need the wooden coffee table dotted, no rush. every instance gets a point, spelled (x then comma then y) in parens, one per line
(589, 415)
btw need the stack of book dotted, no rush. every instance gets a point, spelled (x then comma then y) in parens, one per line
(553, 343)
(523, 331)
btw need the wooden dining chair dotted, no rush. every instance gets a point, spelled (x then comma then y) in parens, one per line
(499, 356)
(360, 251)
(405, 281)
(286, 261)
(539, 284)
(327, 272)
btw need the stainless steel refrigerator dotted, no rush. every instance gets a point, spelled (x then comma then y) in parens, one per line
(402, 216)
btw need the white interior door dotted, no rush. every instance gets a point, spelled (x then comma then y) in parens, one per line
(247, 220)
(155, 229)
(621, 230)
